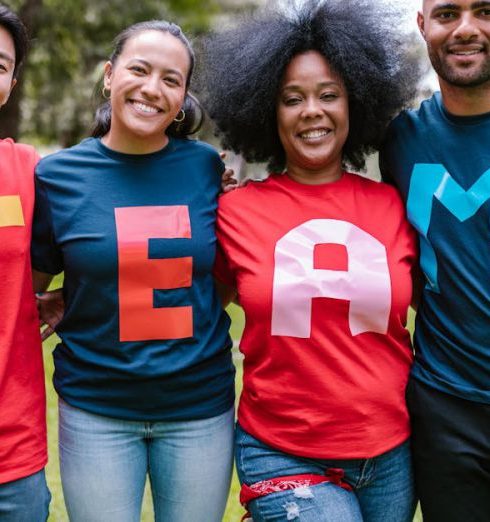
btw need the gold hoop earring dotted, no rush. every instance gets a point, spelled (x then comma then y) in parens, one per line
(106, 93)
(182, 118)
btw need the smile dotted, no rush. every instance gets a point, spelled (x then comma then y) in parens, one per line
(143, 107)
(465, 50)
(465, 53)
(314, 134)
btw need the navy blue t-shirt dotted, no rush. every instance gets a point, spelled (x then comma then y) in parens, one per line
(144, 336)
(441, 164)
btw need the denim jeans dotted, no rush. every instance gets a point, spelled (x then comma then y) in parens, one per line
(383, 489)
(104, 463)
(25, 500)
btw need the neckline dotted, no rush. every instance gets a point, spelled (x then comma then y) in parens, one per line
(135, 158)
(473, 119)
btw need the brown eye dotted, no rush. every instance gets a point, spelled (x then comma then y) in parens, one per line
(446, 15)
(172, 81)
(291, 101)
(137, 69)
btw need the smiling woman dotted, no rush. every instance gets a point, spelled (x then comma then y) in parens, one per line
(148, 83)
(321, 260)
(312, 119)
(143, 370)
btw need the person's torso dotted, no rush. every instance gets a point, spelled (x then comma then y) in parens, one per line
(22, 398)
(144, 336)
(441, 164)
(323, 275)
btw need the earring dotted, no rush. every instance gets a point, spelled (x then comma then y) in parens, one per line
(182, 118)
(106, 93)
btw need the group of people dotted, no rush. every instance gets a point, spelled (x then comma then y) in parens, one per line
(337, 421)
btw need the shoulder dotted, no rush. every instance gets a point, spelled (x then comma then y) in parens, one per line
(196, 147)
(248, 193)
(198, 151)
(378, 192)
(51, 163)
(25, 153)
(415, 119)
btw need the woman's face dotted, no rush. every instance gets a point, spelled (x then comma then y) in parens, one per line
(7, 64)
(312, 118)
(148, 87)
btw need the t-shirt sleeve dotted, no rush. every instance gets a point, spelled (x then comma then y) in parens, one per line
(222, 266)
(405, 232)
(385, 156)
(45, 253)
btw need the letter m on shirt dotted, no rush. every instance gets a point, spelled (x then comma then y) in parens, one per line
(431, 181)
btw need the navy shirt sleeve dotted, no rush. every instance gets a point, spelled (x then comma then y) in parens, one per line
(46, 256)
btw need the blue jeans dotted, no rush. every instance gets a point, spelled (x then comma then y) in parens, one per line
(383, 489)
(104, 463)
(25, 500)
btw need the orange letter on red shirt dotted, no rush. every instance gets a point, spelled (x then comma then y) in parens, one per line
(139, 320)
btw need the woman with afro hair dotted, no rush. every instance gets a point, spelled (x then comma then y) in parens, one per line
(320, 259)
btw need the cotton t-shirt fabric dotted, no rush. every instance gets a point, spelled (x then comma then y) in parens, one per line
(144, 336)
(441, 165)
(22, 397)
(323, 275)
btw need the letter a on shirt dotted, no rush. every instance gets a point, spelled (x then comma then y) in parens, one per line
(366, 282)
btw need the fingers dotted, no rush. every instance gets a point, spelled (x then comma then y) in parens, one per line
(52, 295)
(47, 332)
(228, 182)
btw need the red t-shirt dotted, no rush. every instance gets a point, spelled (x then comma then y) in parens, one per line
(22, 397)
(323, 275)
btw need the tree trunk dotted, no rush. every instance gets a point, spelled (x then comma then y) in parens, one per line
(11, 112)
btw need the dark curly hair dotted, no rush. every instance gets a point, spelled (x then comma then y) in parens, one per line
(193, 113)
(243, 67)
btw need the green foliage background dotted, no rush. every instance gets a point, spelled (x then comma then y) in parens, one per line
(55, 99)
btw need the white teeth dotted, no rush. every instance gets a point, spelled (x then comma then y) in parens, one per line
(466, 53)
(313, 134)
(144, 108)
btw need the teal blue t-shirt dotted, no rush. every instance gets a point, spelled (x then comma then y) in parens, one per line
(144, 336)
(441, 165)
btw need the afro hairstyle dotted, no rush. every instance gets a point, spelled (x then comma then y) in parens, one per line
(243, 66)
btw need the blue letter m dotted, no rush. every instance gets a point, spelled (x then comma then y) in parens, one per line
(433, 181)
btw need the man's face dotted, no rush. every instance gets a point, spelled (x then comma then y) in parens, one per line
(457, 33)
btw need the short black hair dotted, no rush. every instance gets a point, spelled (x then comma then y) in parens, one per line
(17, 30)
(243, 67)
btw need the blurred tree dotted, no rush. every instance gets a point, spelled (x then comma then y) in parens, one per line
(71, 39)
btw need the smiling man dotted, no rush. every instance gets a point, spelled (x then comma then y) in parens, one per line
(439, 157)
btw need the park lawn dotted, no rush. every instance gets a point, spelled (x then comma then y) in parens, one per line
(57, 509)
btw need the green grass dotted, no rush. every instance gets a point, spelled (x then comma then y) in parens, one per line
(57, 509)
